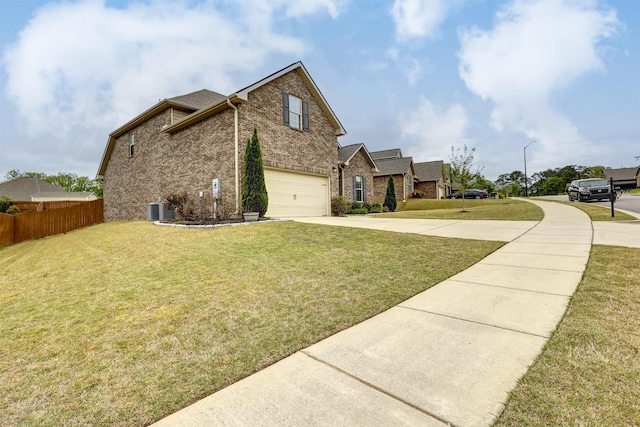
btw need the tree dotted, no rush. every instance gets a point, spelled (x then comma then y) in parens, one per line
(461, 174)
(254, 189)
(390, 198)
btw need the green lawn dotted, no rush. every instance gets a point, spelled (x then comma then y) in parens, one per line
(601, 213)
(121, 324)
(492, 209)
(589, 372)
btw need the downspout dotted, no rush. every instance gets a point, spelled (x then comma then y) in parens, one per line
(235, 123)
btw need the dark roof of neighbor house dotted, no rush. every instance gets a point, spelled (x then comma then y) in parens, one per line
(21, 189)
(219, 103)
(394, 153)
(622, 174)
(429, 171)
(345, 154)
(199, 99)
(394, 166)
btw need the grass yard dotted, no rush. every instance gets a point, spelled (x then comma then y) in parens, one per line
(589, 372)
(600, 213)
(121, 324)
(491, 209)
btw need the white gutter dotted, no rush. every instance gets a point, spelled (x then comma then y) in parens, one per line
(235, 122)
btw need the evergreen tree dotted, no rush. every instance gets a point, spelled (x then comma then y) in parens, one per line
(254, 189)
(390, 199)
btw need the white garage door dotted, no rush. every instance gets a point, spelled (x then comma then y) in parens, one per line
(296, 194)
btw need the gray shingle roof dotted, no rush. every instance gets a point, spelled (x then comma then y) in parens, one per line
(622, 174)
(394, 153)
(21, 189)
(429, 171)
(346, 153)
(393, 166)
(199, 99)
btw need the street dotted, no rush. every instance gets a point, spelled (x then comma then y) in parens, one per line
(626, 202)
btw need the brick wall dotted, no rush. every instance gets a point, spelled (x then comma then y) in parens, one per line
(380, 187)
(429, 188)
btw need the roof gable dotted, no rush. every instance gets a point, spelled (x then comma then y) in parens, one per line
(345, 154)
(243, 95)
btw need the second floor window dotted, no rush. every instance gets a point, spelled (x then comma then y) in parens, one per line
(132, 142)
(295, 112)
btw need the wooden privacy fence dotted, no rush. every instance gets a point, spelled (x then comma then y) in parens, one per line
(44, 206)
(35, 225)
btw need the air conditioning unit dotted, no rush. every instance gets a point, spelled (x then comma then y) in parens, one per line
(153, 211)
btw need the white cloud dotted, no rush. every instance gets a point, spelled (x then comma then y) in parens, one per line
(418, 18)
(84, 65)
(409, 66)
(535, 49)
(433, 130)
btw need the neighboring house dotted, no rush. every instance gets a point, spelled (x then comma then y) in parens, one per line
(181, 144)
(32, 189)
(391, 162)
(432, 179)
(356, 168)
(625, 178)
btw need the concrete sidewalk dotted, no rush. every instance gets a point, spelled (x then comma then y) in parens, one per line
(448, 356)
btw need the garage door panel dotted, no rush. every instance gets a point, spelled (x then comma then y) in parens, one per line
(295, 194)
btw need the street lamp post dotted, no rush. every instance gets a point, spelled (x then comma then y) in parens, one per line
(526, 189)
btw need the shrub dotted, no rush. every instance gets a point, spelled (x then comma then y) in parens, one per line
(385, 209)
(339, 206)
(359, 211)
(254, 189)
(5, 203)
(390, 199)
(375, 208)
(182, 204)
(417, 194)
(367, 206)
(354, 206)
(13, 210)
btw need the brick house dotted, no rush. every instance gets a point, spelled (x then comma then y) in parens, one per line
(181, 144)
(356, 169)
(432, 179)
(391, 162)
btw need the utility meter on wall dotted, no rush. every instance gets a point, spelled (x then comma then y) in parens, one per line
(216, 188)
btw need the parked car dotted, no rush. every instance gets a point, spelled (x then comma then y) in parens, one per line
(470, 194)
(584, 190)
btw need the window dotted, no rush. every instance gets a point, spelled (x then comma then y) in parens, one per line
(295, 112)
(359, 189)
(132, 141)
(409, 184)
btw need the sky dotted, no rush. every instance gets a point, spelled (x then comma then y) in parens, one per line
(425, 76)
